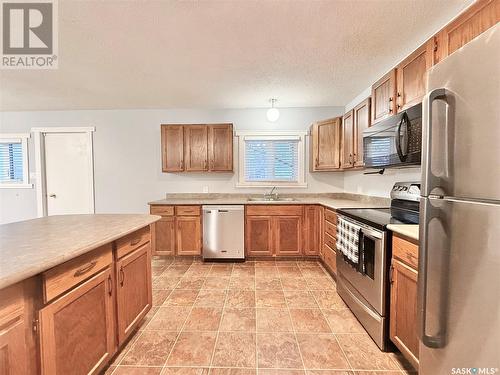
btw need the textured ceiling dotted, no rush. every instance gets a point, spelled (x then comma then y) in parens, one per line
(222, 54)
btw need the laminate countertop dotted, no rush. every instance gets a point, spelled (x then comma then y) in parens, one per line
(333, 201)
(407, 230)
(30, 247)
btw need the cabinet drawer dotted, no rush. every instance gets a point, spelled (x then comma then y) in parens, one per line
(330, 258)
(405, 251)
(162, 210)
(132, 241)
(331, 216)
(61, 278)
(188, 210)
(330, 229)
(275, 210)
(331, 241)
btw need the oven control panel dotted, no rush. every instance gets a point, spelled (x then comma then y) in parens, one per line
(409, 191)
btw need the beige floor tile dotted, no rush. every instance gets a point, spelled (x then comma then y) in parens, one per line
(232, 371)
(343, 321)
(159, 296)
(165, 282)
(378, 373)
(243, 272)
(216, 283)
(286, 263)
(150, 349)
(220, 271)
(320, 283)
(185, 371)
(289, 271)
(313, 272)
(175, 270)
(281, 372)
(151, 313)
(190, 282)
(157, 270)
(330, 372)
(403, 363)
(269, 298)
(266, 272)
(321, 351)
(181, 297)
(238, 319)
(309, 321)
(240, 298)
(364, 354)
(274, 320)
(278, 350)
(300, 299)
(197, 270)
(329, 299)
(294, 283)
(132, 370)
(268, 284)
(192, 349)
(169, 318)
(235, 349)
(210, 298)
(242, 283)
(203, 319)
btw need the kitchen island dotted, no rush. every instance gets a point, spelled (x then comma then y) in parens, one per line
(72, 290)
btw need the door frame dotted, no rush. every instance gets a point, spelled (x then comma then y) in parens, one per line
(40, 173)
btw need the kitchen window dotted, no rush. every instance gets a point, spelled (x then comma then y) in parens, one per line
(271, 159)
(14, 161)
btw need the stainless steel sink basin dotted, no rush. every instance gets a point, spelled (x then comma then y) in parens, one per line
(279, 199)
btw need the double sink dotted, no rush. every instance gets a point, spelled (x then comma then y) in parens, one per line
(271, 199)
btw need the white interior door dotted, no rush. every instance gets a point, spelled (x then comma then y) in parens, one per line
(69, 173)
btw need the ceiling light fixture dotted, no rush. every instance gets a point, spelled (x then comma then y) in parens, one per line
(273, 114)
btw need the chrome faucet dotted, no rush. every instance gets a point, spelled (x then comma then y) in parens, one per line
(270, 195)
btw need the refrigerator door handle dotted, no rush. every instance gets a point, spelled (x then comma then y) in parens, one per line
(438, 340)
(429, 180)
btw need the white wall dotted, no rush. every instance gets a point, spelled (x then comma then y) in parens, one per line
(127, 154)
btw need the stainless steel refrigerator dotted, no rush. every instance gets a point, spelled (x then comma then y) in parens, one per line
(459, 261)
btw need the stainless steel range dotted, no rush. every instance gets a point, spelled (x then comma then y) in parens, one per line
(364, 283)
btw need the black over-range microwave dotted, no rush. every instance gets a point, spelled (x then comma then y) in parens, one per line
(394, 142)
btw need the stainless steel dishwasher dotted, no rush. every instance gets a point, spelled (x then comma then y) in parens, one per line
(224, 232)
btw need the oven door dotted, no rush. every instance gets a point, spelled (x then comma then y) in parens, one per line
(371, 283)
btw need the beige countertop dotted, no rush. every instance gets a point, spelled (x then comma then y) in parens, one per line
(407, 230)
(30, 247)
(333, 201)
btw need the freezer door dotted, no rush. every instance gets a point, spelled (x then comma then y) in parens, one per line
(459, 286)
(461, 117)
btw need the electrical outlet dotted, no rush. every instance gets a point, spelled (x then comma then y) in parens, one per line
(205, 189)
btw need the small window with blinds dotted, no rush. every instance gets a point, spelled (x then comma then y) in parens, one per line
(14, 160)
(271, 160)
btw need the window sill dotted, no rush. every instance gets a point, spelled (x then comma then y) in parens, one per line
(270, 185)
(16, 186)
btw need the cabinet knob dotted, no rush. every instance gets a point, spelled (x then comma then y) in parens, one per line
(399, 94)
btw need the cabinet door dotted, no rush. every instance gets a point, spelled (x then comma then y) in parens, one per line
(288, 235)
(188, 235)
(259, 236)
(220, 146)
(134, 295)
(361, 122)
(172, 148)
(383, 95)
(195, 147)
(411, 73)
(478, 18)
(403, 322)
(77, 330)
(163, 236)
(347, 143)
(312, 230)
(325, 145)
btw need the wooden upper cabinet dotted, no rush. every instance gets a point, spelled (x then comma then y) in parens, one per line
(410, 77)
(288, 235)
(403, 321)
(347, 142)
(77, 331)
(188, 235)
(172, 145)
(383, 97)
(259, 235)
(220, 144)
(361, 114)
(313, 217)
(134, 294)
(196, 148)
(478, 18)
(325, 145)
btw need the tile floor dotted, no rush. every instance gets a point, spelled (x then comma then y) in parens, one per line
(261, 317)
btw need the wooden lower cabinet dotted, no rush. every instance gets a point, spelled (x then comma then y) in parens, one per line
(329, 246)
(134, 294)
(288, 235)
(259, 236)
(163, 236)
(77, 330)
(188, 235)
(313, 216)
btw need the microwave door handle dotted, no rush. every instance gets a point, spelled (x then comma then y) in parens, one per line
(398, 138)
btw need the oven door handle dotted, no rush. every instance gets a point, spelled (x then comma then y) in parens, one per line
(366, 232)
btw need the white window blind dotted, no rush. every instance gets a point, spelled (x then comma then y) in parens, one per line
(269, 160)
(13, 160)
